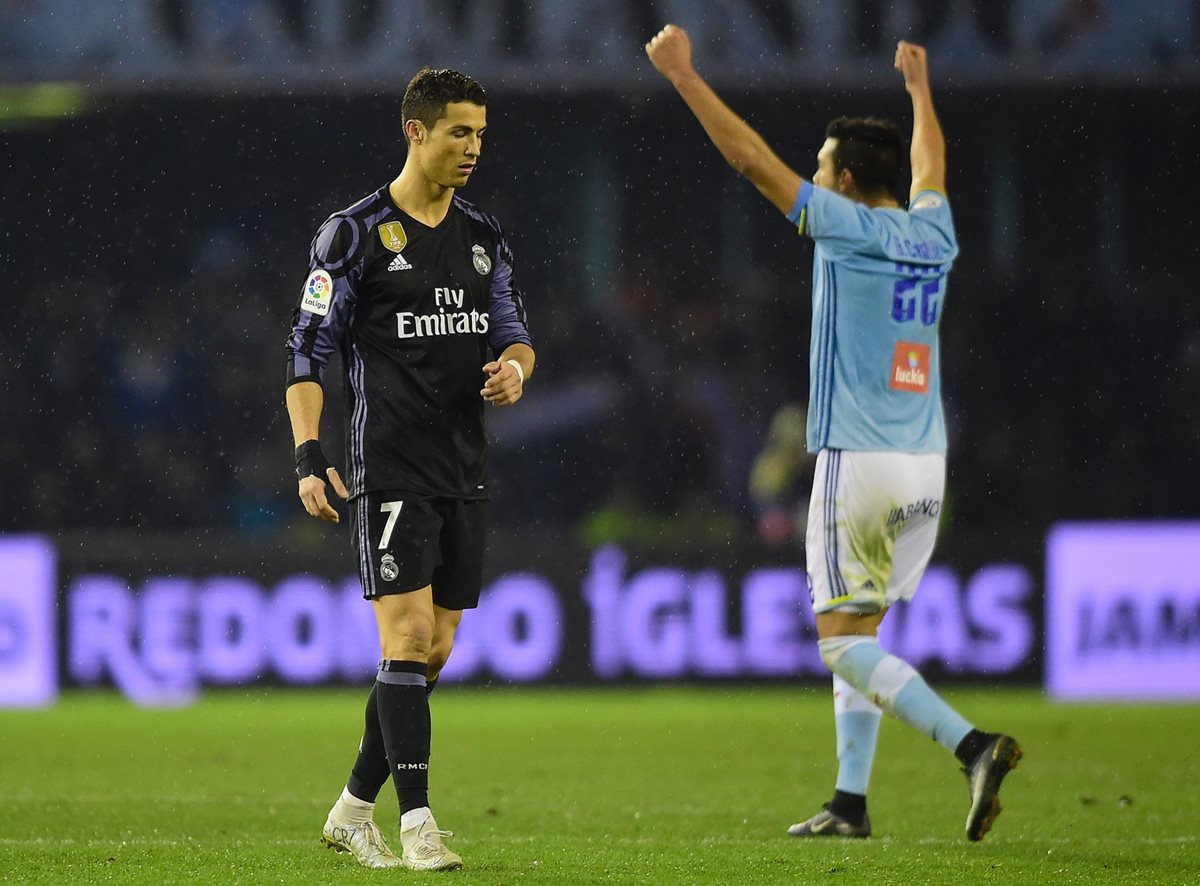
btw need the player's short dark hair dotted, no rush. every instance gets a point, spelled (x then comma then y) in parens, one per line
(872, 149)
(430, 91)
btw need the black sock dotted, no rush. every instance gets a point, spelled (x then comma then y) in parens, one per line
(972, 746)
(371, 766)
(404, 720)
(430, 685)
(852, 807)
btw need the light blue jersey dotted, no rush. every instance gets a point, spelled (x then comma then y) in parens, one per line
(879, 284)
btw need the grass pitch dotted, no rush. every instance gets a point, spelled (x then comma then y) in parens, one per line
(671, 785)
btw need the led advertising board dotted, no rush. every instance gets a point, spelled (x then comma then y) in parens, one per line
(1123, 611)
(613, 616)
(28, 631)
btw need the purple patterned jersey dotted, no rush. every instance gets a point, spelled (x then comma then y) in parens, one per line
(415, 312)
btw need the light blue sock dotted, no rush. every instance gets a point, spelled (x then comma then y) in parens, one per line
(895, 686)
(922, 708)
(856, 720)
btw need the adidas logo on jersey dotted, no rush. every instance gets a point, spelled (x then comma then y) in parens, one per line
(399, 264)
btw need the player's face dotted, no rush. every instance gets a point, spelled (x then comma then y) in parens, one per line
(451, 149)
(826, 176)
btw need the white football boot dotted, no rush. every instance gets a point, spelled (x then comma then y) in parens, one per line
(421, 840)
(361, 839)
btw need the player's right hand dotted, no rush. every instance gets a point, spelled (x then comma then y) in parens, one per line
(910, 61)
(670, 51)
(312, 494)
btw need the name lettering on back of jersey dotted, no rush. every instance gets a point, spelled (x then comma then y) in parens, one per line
(925, 250)
(910, 368)
(445, 322)
(318, 293)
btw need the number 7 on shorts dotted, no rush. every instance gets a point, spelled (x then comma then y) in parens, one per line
(392, 509)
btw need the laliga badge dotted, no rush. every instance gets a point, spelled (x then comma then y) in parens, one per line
(479, 258)
(318, 293)
(388, 570)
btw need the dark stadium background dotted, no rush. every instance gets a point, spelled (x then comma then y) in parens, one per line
(157, 215)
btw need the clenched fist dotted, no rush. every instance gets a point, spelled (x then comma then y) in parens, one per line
(910, 61)
(670, 52)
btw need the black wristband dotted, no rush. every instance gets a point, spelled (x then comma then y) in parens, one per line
(311, 461)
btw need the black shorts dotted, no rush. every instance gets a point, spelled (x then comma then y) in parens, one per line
(405, 542)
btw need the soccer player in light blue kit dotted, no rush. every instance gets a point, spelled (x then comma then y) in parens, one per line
(875, 413)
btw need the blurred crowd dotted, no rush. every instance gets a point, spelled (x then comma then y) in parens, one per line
(676, 418)
(155, 245)
(147, 408)
(142, 383)
(595, 42)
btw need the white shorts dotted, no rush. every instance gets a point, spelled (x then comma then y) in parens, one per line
(872, 523)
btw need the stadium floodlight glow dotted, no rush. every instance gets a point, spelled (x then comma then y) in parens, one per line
(28, 638)
(1123, 611)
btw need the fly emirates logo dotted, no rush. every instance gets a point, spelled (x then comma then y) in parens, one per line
(450, 319)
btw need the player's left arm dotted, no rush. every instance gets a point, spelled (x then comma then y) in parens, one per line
(928, 152)
(744, 149)
(507, 375)
(508, 332)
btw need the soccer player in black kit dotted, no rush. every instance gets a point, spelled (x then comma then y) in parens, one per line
(414, 286)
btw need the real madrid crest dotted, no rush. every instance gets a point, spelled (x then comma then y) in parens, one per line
(388, 570)
(479, 258)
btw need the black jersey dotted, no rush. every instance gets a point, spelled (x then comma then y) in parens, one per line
(415, 312)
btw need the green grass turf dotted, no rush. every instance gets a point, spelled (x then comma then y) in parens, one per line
(662, 785)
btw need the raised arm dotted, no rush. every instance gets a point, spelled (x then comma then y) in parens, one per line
(928, 143)
(671, 53)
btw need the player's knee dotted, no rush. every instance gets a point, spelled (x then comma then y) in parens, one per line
(444, 630)
(832, 649)
(890, 676)
(439, 654)
(409, 639)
